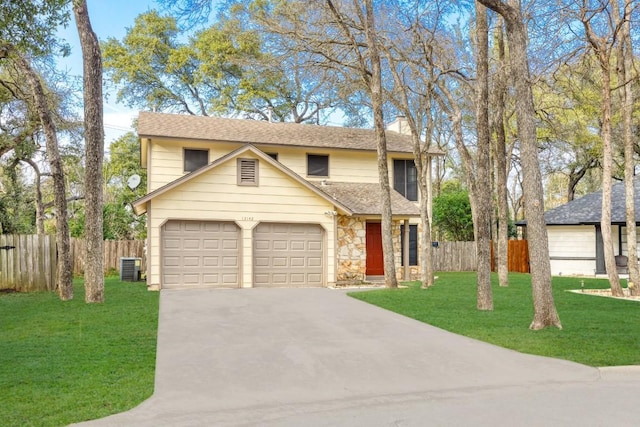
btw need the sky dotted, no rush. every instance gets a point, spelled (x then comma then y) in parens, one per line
(109, 18)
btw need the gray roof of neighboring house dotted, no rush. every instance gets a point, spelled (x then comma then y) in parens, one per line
(262, 132)
(364, 198)
(586, 209)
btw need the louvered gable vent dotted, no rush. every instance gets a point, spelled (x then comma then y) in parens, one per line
(247, 172)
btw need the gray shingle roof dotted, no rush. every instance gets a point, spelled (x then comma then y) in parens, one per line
(364, 198)
(260, 132)
(586, 209)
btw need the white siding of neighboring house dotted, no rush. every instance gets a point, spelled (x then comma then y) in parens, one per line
(572, 250)
(216, 196)
(166, 158)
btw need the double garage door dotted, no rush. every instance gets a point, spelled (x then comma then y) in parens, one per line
(207, 253)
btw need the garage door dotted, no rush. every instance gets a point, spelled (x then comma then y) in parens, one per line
(288, 255)
(200, 253)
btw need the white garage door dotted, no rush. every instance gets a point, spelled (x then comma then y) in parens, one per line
(200, 253)
(288, 255)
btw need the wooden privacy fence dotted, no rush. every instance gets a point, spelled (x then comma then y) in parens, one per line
(517, 254)
(113, 251)
(461, 256)
(27, 262)
(455, 256)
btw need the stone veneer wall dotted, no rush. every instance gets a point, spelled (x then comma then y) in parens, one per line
(352, 250)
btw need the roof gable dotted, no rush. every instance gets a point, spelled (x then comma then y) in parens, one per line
(140, 205)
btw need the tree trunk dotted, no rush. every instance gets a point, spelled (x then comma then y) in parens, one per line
(602, 50)
(502, 202)
(484, 208)
(64, 270)
(39, 204)
(607, 169)
(545, 313)
(94, 148)
(452, 109)
(625, 71)
(375, 88)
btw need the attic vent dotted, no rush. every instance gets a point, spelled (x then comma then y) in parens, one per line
(247, 172)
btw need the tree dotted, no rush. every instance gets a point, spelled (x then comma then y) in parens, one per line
(27, 32)
(119, 221)
(545, 313)
(39, 102)
(30, 26)
(568, 102)
(484, 202)
(412, 93)
(500, 158)
(603, 45)
(367, 64)
(94, 147)
(452, 215)
(220, 70)
(625, 78)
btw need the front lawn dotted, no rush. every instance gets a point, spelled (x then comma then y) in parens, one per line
(65, 362)
(597, 331)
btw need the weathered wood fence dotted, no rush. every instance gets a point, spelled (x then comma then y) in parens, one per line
(28, 262)
(455, 256)
(461, 256)
(113, 251)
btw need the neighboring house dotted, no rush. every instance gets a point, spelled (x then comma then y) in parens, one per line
(575, 235)
(248, 203)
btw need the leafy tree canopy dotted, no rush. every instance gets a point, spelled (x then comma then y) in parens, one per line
(30, 26)
(452, 215)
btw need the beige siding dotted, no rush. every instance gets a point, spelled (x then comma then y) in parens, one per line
(344, 165)
(167, 159)
(216, 196)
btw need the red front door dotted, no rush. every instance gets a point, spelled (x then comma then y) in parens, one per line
(375, 260)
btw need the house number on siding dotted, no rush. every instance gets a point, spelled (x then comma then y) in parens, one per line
(247, 218)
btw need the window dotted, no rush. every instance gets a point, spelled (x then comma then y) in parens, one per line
(317, 165)
(413, 244)
(274, 156)
(247, 172)
(195, 159)
(405, 178)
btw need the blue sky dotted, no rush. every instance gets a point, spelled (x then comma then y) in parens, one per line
(109, 18)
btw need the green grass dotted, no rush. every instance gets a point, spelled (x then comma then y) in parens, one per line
(65, 362)
(597, 331)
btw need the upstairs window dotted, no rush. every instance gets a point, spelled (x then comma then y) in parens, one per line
(195, 159)
(413, 244)
(274, 156)
(317, 165)
(405, 178)
(247, 172)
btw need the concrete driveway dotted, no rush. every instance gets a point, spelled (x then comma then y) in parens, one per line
(315, 357)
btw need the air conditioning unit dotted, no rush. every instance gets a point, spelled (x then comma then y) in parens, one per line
(130, 269)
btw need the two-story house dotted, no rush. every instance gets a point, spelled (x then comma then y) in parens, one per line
(246, 203)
